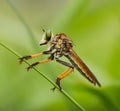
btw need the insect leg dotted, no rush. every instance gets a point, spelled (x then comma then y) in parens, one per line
(61, 76)
(50, 58)
(65, 63)
(32, 56)
(64, 74)
(36, 63)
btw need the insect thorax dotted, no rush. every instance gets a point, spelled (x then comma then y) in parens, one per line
(60, 45)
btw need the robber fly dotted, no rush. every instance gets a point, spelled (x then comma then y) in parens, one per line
(61, 45)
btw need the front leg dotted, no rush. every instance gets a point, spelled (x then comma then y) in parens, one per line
(50, 58)
(29, 57)
(32, 56)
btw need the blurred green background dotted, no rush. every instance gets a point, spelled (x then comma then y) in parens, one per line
(94, 27)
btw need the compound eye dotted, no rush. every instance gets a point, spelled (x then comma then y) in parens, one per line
(48, 35)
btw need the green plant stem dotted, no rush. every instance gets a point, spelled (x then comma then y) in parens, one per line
(30, 33)
(48, 79)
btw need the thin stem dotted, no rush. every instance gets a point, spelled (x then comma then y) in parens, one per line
(72, 100)
(30, 33)
(48, 79)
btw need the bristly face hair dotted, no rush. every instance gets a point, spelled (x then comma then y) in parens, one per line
(61, 45)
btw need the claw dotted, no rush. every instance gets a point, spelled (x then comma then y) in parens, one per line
(32, 65)
(20, 60)
(23, 58)
(53, 89)
(58, 83)
(29, 67)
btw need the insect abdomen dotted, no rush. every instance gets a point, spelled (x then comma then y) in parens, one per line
(81, 67)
